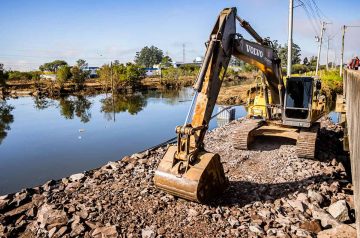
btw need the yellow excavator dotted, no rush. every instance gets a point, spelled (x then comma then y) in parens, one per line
(190, 172)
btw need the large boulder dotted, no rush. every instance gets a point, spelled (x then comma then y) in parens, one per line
(48, 217)
(339, 210)
(341, 231)
(326, 219)
(106, 231)
(76, 177)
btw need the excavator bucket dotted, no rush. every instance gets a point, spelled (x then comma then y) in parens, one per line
(203, 180)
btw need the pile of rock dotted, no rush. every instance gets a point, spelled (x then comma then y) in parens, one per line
(271, 193)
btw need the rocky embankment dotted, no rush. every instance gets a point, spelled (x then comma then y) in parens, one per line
(271, 193)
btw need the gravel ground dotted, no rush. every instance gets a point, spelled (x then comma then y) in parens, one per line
(271, 193)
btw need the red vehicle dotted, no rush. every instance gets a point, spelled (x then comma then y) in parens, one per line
(354, 63)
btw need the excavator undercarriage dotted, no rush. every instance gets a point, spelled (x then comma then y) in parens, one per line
(190, 172)
(305, 138)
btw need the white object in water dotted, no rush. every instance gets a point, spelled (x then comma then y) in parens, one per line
(228, 114)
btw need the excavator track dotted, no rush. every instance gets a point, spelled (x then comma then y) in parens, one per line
(242, 137)
(306, 142)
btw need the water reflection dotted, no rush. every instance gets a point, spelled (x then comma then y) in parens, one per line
(172, 97)
(6, 118)
(122, 103)
(78, 106)
(42, 103)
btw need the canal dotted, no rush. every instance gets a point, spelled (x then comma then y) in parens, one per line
(43, 139)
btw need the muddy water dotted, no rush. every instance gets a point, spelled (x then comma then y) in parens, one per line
(43, 139)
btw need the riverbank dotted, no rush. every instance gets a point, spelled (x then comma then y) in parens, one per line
(18, 88)
(229, 94)
(271, 193)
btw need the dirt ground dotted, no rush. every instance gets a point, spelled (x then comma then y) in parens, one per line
(271, 193)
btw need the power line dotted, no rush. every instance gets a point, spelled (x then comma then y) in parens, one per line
(313, 13)
(316, 12)
(183, 53)
(309, 17)
(319, 10)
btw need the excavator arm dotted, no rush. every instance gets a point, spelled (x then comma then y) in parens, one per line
(266, 60)
(187, 170)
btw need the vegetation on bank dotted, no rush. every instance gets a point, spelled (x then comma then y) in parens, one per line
(120, 75)
(331, 81)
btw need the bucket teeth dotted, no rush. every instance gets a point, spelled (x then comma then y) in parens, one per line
(203, 180)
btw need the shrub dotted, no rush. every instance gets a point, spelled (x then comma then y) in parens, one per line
(63, 74)
(78, 76)
(17, 75)
(123, 75)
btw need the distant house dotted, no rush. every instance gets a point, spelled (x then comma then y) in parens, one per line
(176, 64)
(199, 60)
(196, 62)
(92, 71)
(155, 70)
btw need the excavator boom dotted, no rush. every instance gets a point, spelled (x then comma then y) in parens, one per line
(187, 170)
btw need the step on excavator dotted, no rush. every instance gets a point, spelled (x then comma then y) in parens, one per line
(187, 170)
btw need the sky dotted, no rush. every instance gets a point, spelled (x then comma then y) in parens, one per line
(39, 31)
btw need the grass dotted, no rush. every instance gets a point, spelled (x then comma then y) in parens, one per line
(331, 82)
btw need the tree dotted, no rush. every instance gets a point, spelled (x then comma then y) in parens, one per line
(81, 64)
(299, 68)
(104, 74)
(78, 77)
(275, 43)
(132, 75)
(313, 60)
(123, 75)
(3, 75)
(63, 74)
(305, 61)
(282, 52)
(52, 66)
(148, 56)
(166, 62)
(17, 75)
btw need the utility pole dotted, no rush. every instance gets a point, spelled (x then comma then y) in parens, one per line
(342, 50)
(183, 53)
(112, 89)
(342, 47)
(289, 58)
(111, 78)
(319, 50)
(327, 54)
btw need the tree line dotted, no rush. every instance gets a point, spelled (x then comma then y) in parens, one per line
(298, 66)
(129, 74)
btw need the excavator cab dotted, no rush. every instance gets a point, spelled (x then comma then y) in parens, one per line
(300, 101)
